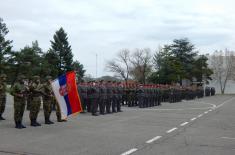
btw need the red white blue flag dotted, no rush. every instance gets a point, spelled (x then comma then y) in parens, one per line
(66, 93)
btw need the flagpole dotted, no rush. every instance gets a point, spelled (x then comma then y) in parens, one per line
(96, 57)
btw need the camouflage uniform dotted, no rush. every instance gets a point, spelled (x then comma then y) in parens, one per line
(57, 108)
(151, 97)
(212, 91)
(83, 95)
(207, 91)
(2, 95)
(102, 99)
(94, 99)
(109, 97)
(29, 97)
(114, 97)
(145, 96)
(19, 91)
(36, 93)
(131, 96)
(140, 96)
(159, 96)
(47, 100)
(120, 94)
(89, 96)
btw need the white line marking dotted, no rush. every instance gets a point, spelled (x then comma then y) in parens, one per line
(200, 115)
(130, 151)
(220, 105)
(153, 139)
(183, 124)
(129, 109)
(193, 118)
(213, 105)
(205, 112)
(228, 138)
(210, 110)
(171, 130)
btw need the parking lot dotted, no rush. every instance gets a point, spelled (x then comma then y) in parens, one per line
(201, 126)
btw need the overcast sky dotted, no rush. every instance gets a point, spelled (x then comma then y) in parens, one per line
(103, 27)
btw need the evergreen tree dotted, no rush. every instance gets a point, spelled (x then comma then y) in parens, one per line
(79, 69)
(183, 50)
(50, 64)
(60, 46)
(201, 71)
(27, 61)
(5, 46)
(167, 67)
(179, 61)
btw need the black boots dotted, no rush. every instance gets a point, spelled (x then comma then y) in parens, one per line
(47, 121)
(95, 114)
(61, 120)
(34, 123)
(19, 125)
(1, 118)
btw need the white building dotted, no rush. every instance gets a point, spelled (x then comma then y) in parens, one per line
(229, 89)
(230, 86)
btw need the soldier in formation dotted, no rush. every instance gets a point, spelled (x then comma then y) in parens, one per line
(212, 91)
(33, 93)
(108, 97)
(207, 91)
(36, 94)
(153, 95)
(148, 96)
(102, 97)
(3, 88)
(48, 99)
(19, 91)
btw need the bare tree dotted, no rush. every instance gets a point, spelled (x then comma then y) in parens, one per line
(223, 64)
(120, 65)
(141, 64)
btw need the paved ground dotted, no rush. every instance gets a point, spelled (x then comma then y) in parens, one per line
(204, 126)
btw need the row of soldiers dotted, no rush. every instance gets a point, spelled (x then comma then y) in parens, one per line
(153, 95)
(32, 93)
(112, 95)
(105, 97)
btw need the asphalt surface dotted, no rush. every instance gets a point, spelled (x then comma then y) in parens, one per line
(198, 127)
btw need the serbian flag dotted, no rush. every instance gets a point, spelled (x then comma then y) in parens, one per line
(66, 93)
